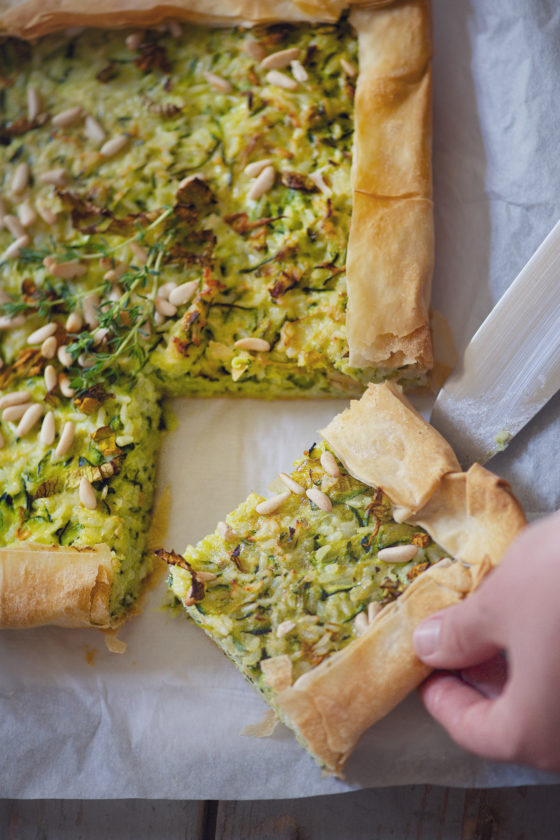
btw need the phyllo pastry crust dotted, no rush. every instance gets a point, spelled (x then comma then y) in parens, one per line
(314, 593)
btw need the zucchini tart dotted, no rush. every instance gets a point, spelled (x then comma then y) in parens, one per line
(314, 592)
(175, 207)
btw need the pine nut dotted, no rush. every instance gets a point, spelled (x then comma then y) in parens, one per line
(291, 484)
(8, 323)
(253, 49)
(100, 335)
(57, 177)
(361, 623)
(263, 183)
(64, 384)
(86, 361)
(51, 378)
(15, 398)
(90, 305)
(66, 439)
(204, 577)
(258, 345)
(328, 462)
(279, 59)
(116, 294)
(281, 80)
(298, 71)
(48, 430)
(33, 104)
(317, 178)
(14, 226)
(140, 253)
(116, 272)
(45, 212)
(134, 40)
(38, 336)
(271, 505)
(216, 81)
(94, 131)
(165, 290)
(398, 553)
(348, 68)
(225, 532)
(319, 498)
(113, 146)
(159, 319)
(29, 419)
(87, 494)
(374, 608)
(13, 251)
(67, 117)
(27, 214)
(64, 357)
(74, 322)
(284, 628)
(183, 293)
(48, 347)
(20, 179)
(67, 270)
(253, 170)
(15, 412)
(165, 308)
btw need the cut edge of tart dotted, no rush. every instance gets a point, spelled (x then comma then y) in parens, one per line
(314, 593)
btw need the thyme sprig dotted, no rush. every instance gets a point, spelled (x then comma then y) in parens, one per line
(128, 319)
(64, 294)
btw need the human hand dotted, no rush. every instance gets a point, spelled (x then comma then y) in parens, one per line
(507, 709)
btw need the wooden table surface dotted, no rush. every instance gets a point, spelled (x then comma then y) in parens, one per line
(419, 812)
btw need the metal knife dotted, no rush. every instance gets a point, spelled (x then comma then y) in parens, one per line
(511, 366)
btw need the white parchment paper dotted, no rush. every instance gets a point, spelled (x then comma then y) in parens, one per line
(164, 719)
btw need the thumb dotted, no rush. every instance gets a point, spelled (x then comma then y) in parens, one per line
(459, 636)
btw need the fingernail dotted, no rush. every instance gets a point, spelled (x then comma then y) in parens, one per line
(426, 637)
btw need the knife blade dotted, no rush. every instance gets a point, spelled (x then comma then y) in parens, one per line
(511, 366)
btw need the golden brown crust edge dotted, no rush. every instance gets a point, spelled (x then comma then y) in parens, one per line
(49, 585)
(34, 18)
(473, 515)
(385, 443)
(391, 244)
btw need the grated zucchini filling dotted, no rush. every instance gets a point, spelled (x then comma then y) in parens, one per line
(299, 580)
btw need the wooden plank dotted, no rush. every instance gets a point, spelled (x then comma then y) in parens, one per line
(405, 813)
(128, 819)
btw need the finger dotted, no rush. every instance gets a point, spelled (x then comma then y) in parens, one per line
(475, 722)
(489, 678)
(463, 635)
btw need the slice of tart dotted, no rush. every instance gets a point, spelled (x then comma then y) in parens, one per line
(314, 593)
